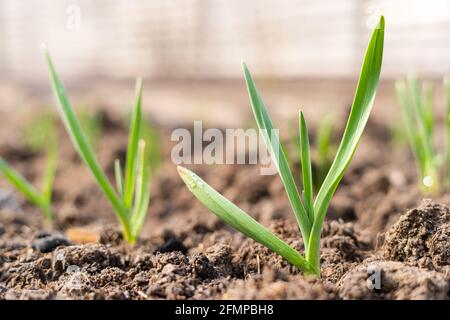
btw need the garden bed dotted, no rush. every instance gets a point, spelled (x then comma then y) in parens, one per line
(185, 252)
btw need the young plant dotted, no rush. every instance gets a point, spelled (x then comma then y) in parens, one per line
(130, 200)
(309, 212)
(417, 104)
(42, 198)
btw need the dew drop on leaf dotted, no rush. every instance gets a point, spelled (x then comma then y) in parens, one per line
(427, 181)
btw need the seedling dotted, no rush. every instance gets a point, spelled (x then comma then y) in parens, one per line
(416, 100)
(130, 200)
(310, 213)
(42, 198)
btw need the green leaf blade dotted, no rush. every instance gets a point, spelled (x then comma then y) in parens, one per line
(132, 149)
(276, 151)
(82, 145)
(423, 124)
(305, 159)
(239, 220)
(118, 176)
(361, 107)
(410, 120)
(427, 100)
(142, 195)
(413, 89)
(142, 187)
(49, 172)
(21, 184)
(419, 122)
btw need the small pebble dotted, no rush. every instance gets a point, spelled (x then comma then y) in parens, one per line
(50, 243)
(171, 245)
(7, 200)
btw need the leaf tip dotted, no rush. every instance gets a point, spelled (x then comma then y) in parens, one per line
(139, 82)
(43, 48)
(381, 23)
(245, 69)
(182, 171)
(300, 114)
(45, 53)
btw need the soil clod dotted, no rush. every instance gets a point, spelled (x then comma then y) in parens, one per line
(419, 235)
(48, 242)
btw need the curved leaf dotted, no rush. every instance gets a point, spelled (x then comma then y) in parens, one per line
(239, 220)
(359, 114)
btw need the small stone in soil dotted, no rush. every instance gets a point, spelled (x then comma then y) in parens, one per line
(171, 245)
(7, 200)
(50, 242)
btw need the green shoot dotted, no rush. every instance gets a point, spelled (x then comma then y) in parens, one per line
(130, 201)
(417, 105)
(310, 213)
(305, 159)
(241, 221)
(42, 198)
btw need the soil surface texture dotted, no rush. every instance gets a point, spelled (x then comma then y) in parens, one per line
(381, 239)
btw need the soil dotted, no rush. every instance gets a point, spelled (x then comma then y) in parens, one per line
(381, 240)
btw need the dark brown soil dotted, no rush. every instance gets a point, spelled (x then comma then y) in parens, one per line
(421, 237)
(374, 246)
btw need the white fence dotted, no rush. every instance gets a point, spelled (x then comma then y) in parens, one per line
(206, 39)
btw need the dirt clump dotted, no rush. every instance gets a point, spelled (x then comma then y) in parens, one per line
(278, 285)
(392, 280)
(420, 236)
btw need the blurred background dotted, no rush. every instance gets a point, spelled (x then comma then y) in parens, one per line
(305, 54)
